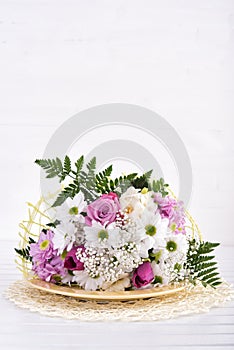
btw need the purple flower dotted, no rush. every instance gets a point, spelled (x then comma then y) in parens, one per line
(103, 210)
(143, 275)
(44, 248)
(71, 262)
(172, 210)
(47, 264)
(51, 269)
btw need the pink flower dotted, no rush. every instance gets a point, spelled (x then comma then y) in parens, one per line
(103, 210)
(46, 262)
(172, 210)
(143, 275)
(50, 269)
(71, 262)
(44, 248)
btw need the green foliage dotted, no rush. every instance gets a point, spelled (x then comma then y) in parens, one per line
(160, 186)
(142, 181)
(92, 184)
(120, 184)
(87, 181)
(200, 264)
(53, 224)
(24, 253)
(69, 191)
(52, 167)
(80, 179)
(103, 180)
(66, 167)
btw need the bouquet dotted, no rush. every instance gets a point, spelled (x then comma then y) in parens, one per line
(116, 234)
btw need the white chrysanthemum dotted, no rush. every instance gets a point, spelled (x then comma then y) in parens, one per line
(160, 278)
(83, 279)
(65, 236)
(176, 244)
(151, 224)
(97, 235)
(71, 209)
(150, 231)
(173, 265)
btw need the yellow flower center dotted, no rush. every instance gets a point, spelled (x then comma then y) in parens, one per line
(129, 209)
(44, 244)
(150, 230)
(102, 234)
(73, 211)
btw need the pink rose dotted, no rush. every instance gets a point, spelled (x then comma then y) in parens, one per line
(143, 275)
(71, 262)
(103, 210)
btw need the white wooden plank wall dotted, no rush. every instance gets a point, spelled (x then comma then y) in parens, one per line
(175, 57)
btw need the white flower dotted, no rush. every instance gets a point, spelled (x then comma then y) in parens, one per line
(98, 235)
(64, 236)
(134, 202)
(130, 202)
(71, 209)
(152, 224)
(67, 279)
(144, 246)
(147, 200)
(83, 279)
(160, 277)
(176, 244)
(150, 232)
(176, 248)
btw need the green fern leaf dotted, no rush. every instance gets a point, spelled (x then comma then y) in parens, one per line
(52, 167)
(200, 264)
(142, 181)
(67, 165)
(69, 191)
(79, 165)
(206, 272)
(102, 180)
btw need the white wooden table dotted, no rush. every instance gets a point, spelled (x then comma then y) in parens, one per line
(22, 329)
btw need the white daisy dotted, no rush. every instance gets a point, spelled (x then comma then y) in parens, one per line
(145, 245)
(65, 236)
(97, 235)
(71, 209)
(151, 224)
(176, 244)
(152, 228)
(83, 279)
(160, 278)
